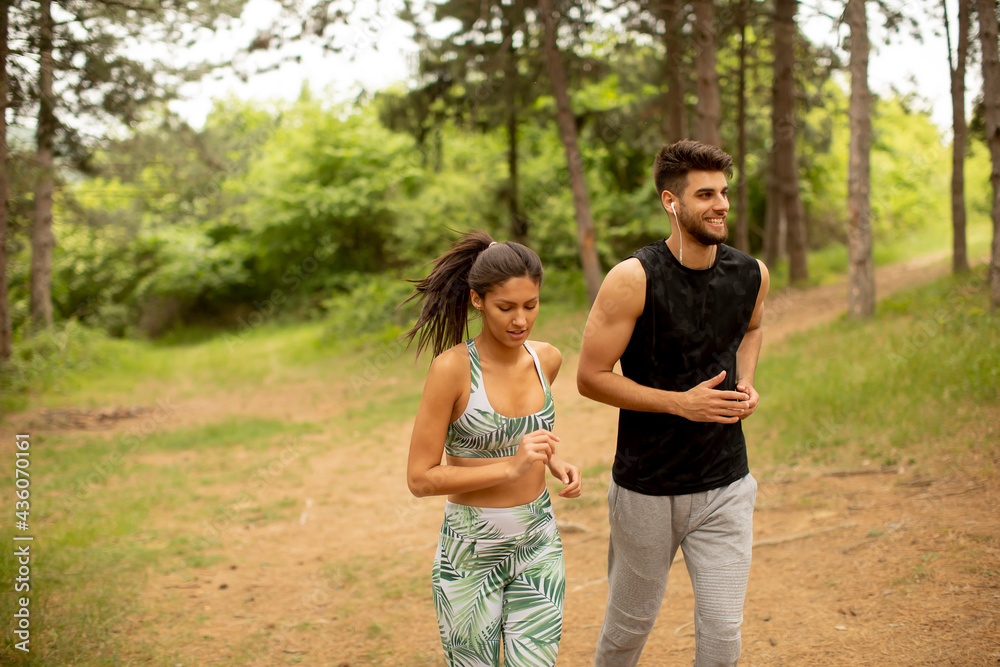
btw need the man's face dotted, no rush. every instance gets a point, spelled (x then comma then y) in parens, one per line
(702, 209)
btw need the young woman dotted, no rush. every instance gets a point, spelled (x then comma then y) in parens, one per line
(487, 408)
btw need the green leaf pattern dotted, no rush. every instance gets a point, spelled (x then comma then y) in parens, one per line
(492, 586)
(481, 432)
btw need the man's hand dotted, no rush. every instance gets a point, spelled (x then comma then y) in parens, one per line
(754, 400)
(705, 403)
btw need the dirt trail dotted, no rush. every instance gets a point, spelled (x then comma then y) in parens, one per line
(877, 567)
(792, 310)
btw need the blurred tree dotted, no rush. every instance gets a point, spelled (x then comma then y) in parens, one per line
(742, 241)
(956, 66)
(789, 214)
(672, 13)
(318, 22)
(708, 113)
(988, 35)
(420, 113)
(861, 275)
(155, 235)
(665, 22)
(41, 231)
(174, 225)
(6, 332)
(491, 60)
(574, 161)
(83, 52)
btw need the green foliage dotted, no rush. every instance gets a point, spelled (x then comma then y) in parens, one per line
(907, 179)
(978, 190)
(460, 194)
(366, 305)
(276, 211)
(324, 187)
(150, 238)
(909, 170)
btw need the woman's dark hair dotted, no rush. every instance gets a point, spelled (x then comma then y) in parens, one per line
(673, 162)
(474, 262)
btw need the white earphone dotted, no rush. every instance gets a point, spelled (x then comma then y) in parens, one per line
(680, 239)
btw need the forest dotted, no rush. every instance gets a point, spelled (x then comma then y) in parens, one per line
(536, 123)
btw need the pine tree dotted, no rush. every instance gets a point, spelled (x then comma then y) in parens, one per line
(574, 162)
(956, 65)
(84, 77)
(988, 31)
(861, 275)
(783, 126)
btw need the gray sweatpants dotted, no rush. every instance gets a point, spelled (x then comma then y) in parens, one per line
(715, 531)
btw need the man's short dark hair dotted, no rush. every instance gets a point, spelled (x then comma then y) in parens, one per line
(673, 163)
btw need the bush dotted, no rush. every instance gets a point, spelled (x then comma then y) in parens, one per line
(367, 304)
(42, 359)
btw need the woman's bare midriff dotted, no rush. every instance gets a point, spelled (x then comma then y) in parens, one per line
(509, 494)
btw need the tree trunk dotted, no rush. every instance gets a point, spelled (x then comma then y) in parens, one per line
(783, 124)
(960, 255)
(567, 131)
(6, 332)
(774, 216)
(518, 223)
(988, 30)
(708, 113)
(42, 240)
(671, 11)
(742, 195)
(861, 275)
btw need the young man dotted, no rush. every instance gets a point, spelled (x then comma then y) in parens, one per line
(683, 316)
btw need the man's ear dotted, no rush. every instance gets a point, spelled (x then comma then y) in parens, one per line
(667, 198)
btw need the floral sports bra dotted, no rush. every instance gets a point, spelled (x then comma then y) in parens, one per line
(481, 432)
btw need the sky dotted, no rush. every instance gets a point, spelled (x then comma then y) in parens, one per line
(378, 53)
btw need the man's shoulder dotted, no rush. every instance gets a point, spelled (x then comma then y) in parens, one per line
(631, 271)
(738, 257)
(647, 258)
(650, 250)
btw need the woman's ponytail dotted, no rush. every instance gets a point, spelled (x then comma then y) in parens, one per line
(475, 262)
(444, 313)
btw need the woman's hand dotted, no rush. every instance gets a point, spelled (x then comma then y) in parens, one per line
(569, 475)
(536, 446)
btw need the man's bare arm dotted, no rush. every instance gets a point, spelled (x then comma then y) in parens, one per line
(749, 350)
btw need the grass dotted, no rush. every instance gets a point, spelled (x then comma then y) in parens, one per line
(86, 370)
(93, 504)
(921, 379)
(924, 372)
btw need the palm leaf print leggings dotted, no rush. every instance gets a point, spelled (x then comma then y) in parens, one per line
(499, 575)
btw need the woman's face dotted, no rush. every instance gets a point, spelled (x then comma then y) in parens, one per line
(509, 310)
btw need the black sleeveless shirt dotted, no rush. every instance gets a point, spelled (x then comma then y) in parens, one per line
(691, 326)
